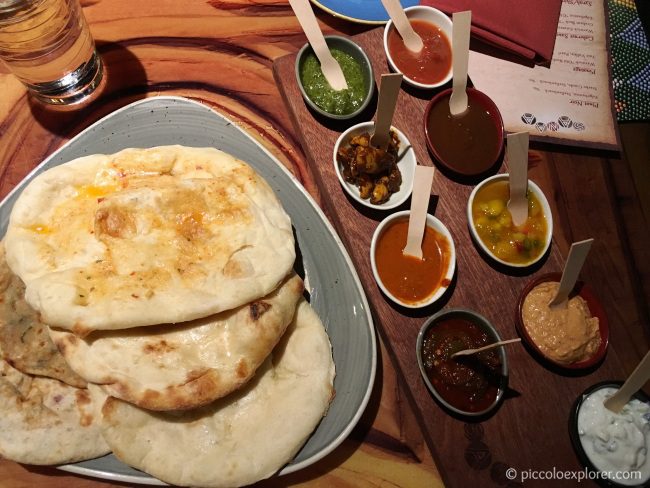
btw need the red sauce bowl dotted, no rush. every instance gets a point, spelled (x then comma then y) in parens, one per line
(488, 328)
(442, 22)
(595, 308)
(473, 162)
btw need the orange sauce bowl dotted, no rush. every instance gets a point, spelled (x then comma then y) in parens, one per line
(431, 68)
(406, 280)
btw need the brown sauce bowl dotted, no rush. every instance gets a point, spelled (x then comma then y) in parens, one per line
(479, 101)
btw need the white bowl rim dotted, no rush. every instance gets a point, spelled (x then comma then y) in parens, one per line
(502, 353)
(389, 58)
(547, 213)
(439, 227)
(409, 157)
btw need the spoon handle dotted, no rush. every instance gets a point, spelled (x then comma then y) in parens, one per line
(330, 67)
(467, 352)
(575, 260)
(635, 381)
(388, 91)
(412, 40)
(517, 155)
(460, 35)
(418, 215)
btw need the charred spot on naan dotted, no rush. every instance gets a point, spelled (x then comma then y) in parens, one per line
(109, 409)
(199, 390)
(257, 309)
(62, 343)
(81, 330)
(158, 347)
(243, 368)
(83, 402)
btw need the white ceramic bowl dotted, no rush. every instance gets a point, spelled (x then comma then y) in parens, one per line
(545, 208)
(432, 15)
(406, 164)
(439, 227)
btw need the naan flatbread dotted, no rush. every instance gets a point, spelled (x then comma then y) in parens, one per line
(24, 340)
(244, 437)
(186, 365)
(45, 421)
(147, 236)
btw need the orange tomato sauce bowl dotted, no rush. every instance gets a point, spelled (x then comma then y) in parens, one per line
(491, 227)
(431, 67)
(406, 280)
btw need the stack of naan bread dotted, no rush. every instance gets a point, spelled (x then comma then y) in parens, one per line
(150, 308)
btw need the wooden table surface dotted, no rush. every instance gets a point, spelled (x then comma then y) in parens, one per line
(221, 53)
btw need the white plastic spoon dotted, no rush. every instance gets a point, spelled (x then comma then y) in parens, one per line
(329, 66)
(412, 40)
(460, 55)
(575, 260)
(467, 352)
(388, 91)
(635, 381)
(517, 155)
(419, 204)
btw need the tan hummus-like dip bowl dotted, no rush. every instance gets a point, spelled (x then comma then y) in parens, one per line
(579, 343)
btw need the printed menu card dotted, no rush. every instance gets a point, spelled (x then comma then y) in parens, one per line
(569, 103)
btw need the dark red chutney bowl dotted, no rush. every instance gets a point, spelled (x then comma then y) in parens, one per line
(595, 308)
(575, 435)
(474, 161)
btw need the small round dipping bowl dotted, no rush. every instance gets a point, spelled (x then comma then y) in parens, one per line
(536, 190)
(469, 145)
(428, 14)
(436, 225)
(574, 434)
(347, 46)
(406, 164)
(482, 323)
(595, 308)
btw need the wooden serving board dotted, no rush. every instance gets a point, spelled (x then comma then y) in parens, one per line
(529, 429)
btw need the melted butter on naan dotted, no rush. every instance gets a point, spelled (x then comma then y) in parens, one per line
(171, 227)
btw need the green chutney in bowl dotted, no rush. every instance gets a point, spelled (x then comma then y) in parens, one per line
(320, 96)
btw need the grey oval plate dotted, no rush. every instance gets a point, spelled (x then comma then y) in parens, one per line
(335, 290)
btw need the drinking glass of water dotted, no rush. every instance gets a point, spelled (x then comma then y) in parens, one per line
(47, 45)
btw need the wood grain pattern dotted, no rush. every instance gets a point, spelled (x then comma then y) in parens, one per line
(219, 53)
(529, 431)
